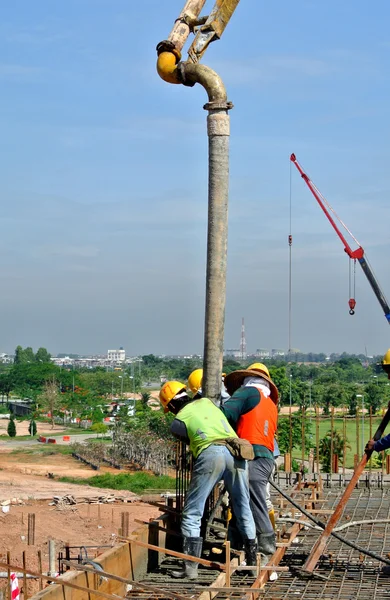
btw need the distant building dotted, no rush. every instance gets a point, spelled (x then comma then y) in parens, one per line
(262, 353)
(277, 352)
(233, 353)
(116, 356)
(6, 358)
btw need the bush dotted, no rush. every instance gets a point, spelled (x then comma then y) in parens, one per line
(11, 429)
(99, 428)
(32, 428)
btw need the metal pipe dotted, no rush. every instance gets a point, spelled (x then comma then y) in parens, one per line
(169, 50)
(52, 558)
(218, 131)
(185, 22)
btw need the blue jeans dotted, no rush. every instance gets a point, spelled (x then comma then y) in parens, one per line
(212, 465)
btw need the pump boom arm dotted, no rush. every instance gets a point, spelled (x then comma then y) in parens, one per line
(357, 254)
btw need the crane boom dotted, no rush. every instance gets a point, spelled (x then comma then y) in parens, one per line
(357, 254)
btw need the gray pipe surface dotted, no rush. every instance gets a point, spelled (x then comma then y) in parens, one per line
(52, 558)
(218, 130)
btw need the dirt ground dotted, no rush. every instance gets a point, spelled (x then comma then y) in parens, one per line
(23, 476)
(33, 462)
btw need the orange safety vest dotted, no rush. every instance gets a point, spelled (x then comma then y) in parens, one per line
(259, 425)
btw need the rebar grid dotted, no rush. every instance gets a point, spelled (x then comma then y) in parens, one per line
(350, 576)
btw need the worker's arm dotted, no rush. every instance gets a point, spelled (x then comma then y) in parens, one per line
(179, 430)
(242, 401)
(380, 445)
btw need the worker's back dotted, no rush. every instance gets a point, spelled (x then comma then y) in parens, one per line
(205, 424)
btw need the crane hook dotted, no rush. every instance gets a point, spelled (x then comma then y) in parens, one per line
(352, 304)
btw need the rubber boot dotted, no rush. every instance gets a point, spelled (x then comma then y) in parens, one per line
(250, 547)
(271, 515)
(193, 547)
(235, 537)
(266, 546)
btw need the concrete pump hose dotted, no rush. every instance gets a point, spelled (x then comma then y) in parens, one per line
(373, 555)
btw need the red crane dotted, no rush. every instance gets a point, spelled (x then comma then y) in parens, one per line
(354, 255)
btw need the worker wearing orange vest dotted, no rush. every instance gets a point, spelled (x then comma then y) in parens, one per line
(252, 412)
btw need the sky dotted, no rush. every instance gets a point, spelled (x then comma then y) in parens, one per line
(103, 176)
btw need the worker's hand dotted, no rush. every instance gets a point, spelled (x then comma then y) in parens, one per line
(370, 445)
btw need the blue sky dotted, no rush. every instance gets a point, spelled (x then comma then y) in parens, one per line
(104, 176)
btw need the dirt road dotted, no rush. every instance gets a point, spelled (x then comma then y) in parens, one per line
(23, 477)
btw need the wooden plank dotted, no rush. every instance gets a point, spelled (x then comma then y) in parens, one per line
(216, 586)
(264, 574)
(201, 561)
(164, 529)
(59, 581)
(319, 546)
(227, 550)
(137, 586)
(25, 592)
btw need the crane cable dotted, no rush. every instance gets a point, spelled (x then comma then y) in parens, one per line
(290, 270)
(330, 207)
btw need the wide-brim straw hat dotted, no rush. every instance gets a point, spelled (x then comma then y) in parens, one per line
(234, 380)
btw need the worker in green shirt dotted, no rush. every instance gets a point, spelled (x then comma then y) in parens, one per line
(203, 426)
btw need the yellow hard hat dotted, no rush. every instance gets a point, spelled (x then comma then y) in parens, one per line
(386, 363)
(386, 358)
(169, 390)
(195, 380)
(259, 367)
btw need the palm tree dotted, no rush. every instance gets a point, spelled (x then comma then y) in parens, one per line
(338, 448)
(145, 397)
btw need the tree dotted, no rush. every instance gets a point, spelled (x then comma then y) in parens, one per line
(373, 396)
(42, 355)
(5, 386)
(32, 428)
(145, 397)
(333, 396)
(29, 356)
(352, 404)
(19, 356)
(51, 399)
(11, 429)
(326, 446)
(296, 432)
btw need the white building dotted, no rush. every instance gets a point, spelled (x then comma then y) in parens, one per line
(233, 353)
(116, 356)
(277, 352)
(262, 353)
(5, 358)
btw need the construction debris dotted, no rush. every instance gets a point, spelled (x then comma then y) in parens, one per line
(70, 500)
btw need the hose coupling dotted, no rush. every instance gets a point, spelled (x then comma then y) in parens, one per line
(167, 46)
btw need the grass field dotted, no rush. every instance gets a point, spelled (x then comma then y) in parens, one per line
(351, 434)
(137, 482)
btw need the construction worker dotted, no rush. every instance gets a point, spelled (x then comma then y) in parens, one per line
(383, 443)
(253, 414)
(386, 363)
(201, 424)
(195, 384)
